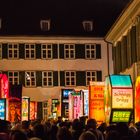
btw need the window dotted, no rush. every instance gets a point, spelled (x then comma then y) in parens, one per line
(70, 78)
(90, 76)
(69, 51)
(0, 51)
(46, 51)
(88, 26)
(13, 77)
(90, 51)
(30, 51)
(45, 25)
(13, 51)
(47, 78)
(30, 79)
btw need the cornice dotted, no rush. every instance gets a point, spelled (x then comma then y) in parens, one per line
(38, 39)
(125, 21)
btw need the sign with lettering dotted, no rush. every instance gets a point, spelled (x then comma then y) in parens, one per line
(96, 101)
(121, 116)
(2, 109)
(122, 98)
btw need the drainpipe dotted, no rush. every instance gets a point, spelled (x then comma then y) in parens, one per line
(108, 62)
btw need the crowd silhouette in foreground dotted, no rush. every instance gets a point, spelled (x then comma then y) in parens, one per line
(78, 129)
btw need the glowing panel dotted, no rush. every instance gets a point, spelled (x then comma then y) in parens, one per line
(2, 109)
(122, 98)
(25, 108)
(137, 100)
(121, 116)
(121, 81)
(96, 101)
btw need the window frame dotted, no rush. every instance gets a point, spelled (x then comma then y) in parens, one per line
(69, 50)
(46, 49)
(88, 25)
(70, 78)
(90, 49)
(91, 77)
(47, 77)
(31, 78)
(11, 47)
(47, 22)
(30, 49)
(12, 78)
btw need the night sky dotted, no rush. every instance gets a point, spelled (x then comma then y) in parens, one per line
(66, 14)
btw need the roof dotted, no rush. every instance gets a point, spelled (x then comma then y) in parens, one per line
(22, 17)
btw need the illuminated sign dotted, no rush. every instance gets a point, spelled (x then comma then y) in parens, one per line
(122, 98)
(121, 116)
(25, 108)
(137, 100)
(96, 101)
(121, 81)
(2, 109)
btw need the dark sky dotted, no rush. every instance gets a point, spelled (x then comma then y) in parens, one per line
(67, 13)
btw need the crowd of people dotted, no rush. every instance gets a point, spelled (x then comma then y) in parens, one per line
(78, 129)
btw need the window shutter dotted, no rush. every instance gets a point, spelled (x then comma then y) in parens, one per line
(62, 78)
(118, 57)
(38, 51)
(4, 50)
(80, 51)
(114, 59)
(124, 53)
(99, 75)
(21, 51)
(129, 57)
(55, 78)
(138, 39)
(61, 51)
(55, 50)
(39, 78)
(22, 77)
(80, 78)
(98, 51)
(133, 44)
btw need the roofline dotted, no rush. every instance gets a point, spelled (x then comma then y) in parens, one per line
(54, 39)
(124, 22)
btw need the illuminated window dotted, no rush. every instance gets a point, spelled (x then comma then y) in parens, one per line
(69, 51)
(47, 78)
(88, 26)
(30, 51)
(45, 25)
(0, 51)
(90, 51)
(13, 77)
(90, 76)
(70, 78)
(13, 51)
(30, 79)
(46, 51)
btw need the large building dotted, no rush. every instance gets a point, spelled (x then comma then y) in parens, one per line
(125, 37)
(48, 48)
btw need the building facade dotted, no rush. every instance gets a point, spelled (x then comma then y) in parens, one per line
(45, 65)
(125, 37)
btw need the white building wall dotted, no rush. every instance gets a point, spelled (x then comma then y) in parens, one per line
(41, 94)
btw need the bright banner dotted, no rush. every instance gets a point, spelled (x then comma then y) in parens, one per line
(25, 109)
(122, 98)
(96, 101)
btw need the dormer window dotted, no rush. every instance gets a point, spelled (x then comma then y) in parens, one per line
(45, 25)
(88, 26)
